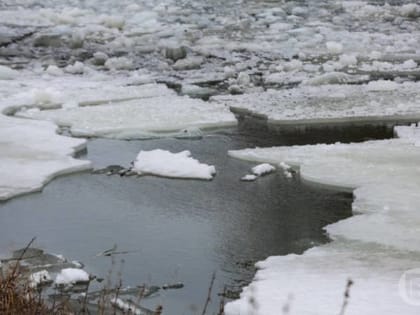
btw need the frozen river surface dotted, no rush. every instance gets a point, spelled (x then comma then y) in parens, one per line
(132, 70)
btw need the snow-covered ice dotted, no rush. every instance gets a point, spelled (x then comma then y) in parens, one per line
(139, 118)
(69, 276)
(176, 165)
(330, 103)
(249, 178)
(31, 154)
(263, 169)
(373, 248)
(39, 278)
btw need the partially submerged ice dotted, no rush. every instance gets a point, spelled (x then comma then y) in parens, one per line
(176, 165)
(373, 248)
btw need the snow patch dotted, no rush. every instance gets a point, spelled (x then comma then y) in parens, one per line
(175, 165)
(263, 169)
(70, 276)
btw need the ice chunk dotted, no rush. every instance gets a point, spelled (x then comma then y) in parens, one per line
(7, 73)
(409, 64)
(40, 278)
(76, 68)
(249, 178)
(244, 79)
(54, 70)
(175, 165)
(382, 85)
(347, 60)
(99, 58)
(119, 63)
(411, 10)
(334, 47)
(70, 276)
(188, 63)
(263, 169)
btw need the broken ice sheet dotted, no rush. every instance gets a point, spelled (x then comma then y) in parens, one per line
(373, 248)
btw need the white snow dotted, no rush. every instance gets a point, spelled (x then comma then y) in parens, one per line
(70, 276)
(31, 154)
(176, 165)
(126, 306)
(373, 248)
(39, 278)
(263, 169)
(249, 178)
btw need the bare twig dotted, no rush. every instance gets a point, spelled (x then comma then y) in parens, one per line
(346, 296)
(208, 300)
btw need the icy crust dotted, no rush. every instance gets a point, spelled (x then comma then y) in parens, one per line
(175, 165)
(140, 118)
(330, 103)
(31, 154)
(374, 247)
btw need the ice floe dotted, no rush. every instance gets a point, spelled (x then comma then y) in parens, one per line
(175, 165)
(31, 154)
(140, 118)
(373, 248)
(330, 103)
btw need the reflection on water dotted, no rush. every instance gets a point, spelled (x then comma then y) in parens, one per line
(178, 230)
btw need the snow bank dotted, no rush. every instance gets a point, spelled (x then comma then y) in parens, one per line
(373, 248)
(69, 276)
(175, 165)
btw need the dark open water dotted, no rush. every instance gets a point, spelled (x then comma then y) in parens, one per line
(181, 230)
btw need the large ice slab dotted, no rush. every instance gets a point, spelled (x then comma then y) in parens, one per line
(374, 247)
(31, 154)
(140, 118)
(330, 103)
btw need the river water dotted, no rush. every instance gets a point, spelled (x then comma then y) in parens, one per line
(178, 230)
